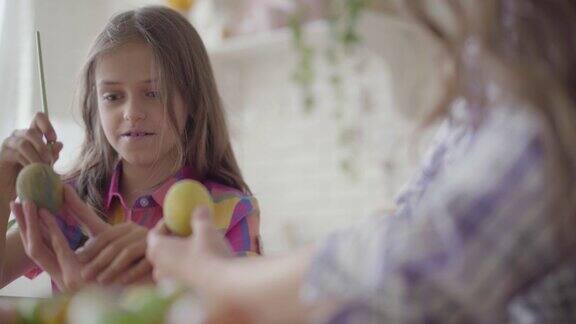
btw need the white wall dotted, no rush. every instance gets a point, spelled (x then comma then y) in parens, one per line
(290, 159)
(67, 28)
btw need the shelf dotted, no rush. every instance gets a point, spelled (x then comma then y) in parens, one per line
(251, 47)
(279, 42)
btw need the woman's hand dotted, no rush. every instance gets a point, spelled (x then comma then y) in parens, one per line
(117, 256)
(194, 259)
(233, 290)
(27, 146)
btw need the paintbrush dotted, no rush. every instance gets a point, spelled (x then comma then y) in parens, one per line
(42, 84)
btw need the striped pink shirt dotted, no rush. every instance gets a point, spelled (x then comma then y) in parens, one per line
(237, 214)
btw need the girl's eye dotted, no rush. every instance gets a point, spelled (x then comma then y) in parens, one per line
(152, 94)
(110, 97)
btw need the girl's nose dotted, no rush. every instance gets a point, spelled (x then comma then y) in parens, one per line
(133, 112)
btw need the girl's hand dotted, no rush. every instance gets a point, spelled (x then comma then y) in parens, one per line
(117, 256)
(45, 244)
(27, 146)
(113, 254)
(192, 260)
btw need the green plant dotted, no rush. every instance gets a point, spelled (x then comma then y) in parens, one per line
(342, 17)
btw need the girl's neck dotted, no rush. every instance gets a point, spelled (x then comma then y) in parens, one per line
(138, 180)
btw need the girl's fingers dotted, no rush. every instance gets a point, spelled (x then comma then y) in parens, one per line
(21, 159)
(11, 154)
(42, 123)
(95, 245)
(70, 279)
(136, 273)
(19, 215)
(122, 262)
(84, 214)
(34, 136)
(31, 219)
(27, 150)
(56, 148)
(59, 241)
(106, 256)
(35, 246)
(64, 254)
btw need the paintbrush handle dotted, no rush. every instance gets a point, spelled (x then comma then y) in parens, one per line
(41, 74)
(42, 82)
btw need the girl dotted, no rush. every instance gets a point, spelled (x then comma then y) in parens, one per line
(485, 233)
(152, 116)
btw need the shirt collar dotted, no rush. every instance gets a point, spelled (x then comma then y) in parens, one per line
(114, 187)
(158, 194)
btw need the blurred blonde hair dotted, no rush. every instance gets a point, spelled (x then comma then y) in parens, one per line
(183, 67)
(528, 49)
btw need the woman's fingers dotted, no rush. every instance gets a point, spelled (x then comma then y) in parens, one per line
(161, 229)
(83, 213)
(167, 254)
(201, 222)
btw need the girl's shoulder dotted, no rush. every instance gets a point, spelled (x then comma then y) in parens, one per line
(220, 191)
(70, 180)
(232, 205)
(226, 197)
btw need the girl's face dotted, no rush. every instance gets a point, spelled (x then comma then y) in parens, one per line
(131, 109)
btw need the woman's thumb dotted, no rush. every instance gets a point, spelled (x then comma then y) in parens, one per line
(201, 221)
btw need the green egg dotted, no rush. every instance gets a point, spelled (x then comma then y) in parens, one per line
(39, 183)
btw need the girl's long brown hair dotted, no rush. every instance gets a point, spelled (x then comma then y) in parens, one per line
(529, 51)
(184, 68)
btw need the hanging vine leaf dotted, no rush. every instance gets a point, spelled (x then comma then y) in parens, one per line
(11, 223)
(342, 18)
(304, 74)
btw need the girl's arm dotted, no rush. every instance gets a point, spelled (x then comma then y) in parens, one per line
(13, 259)
(22, 148)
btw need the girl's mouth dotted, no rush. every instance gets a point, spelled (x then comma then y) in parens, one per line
(136, 134)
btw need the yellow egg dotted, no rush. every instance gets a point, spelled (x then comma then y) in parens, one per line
(183, 5)
(180, 201)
